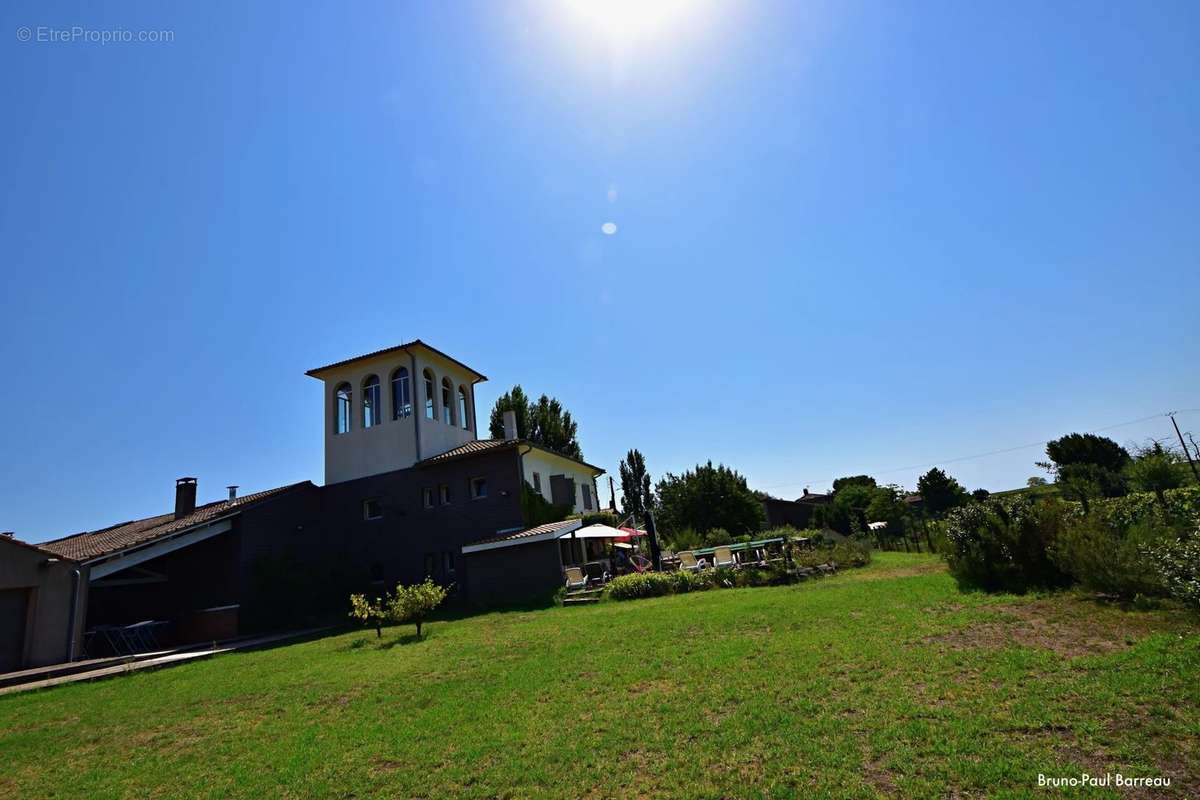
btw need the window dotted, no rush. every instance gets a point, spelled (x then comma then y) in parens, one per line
(341, 410)
(371, 402)
(444, 494)
(429, 413)
(462, 408)
(448, 562)
(447, 401)
(401, 394)
(587, 497)
(478, 488)
(427, 498)
(537, 482)
(372, 509)
(429, 565)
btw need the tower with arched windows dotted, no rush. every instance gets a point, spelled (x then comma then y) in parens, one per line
(389, 409)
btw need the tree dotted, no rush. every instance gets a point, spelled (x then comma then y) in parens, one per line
(514, 400)
(1087, 465)
(709, 497)
(1155, 470)
(1035, 481)
(408, 604)
(940, 492)
(979, 495)
(1087, 448)
(853, 480)
(412, 604)
(636, 491)
(545, 422)
(551, 426)
(368, 613)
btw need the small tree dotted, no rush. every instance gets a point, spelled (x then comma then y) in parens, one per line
(408, 605)
(368, 613)
(412, 604)
(1155, 471)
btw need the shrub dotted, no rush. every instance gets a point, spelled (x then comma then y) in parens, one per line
(1180, 504)
(1177, 563)
(850, 553)
(1110, 559)
(643, 584)
(1003, 543)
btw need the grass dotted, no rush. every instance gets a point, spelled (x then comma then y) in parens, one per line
(885, 681)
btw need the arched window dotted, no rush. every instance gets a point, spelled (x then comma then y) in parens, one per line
(401, 394)
(371, 402)
(447, 401)
(429, 412)
(342, 408)
(463, 418)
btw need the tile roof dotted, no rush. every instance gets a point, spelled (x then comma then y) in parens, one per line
(528, 533)
(385, 351)
(93, 544)
(492, 445)
(468, 449)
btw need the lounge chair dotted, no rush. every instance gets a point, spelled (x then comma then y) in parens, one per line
(723, 557)
(575, 578)
(687, 560)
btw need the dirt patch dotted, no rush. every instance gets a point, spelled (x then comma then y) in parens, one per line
(1069, 627)
(875, 773)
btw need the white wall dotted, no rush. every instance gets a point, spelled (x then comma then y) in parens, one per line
(392, 444)
(546, 464)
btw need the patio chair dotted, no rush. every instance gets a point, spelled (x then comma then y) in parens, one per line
(723, 557)
(575, 578)
(687, 561)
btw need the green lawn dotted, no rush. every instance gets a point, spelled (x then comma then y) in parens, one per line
(882, 681)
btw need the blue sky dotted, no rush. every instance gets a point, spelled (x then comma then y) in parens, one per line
(850, 237)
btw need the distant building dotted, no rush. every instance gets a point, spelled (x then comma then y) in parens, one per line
(797, 513)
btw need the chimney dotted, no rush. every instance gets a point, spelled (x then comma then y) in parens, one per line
(185, 497)
(232, 493)
(806, 491)
(510, 425)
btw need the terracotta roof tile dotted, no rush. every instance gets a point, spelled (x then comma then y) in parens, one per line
(93, 544)
(468, 449)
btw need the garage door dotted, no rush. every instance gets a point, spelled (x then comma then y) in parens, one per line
(14, 603)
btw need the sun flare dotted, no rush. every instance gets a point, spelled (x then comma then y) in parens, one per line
(629, 19)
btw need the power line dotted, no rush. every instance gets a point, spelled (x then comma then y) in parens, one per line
(990, 452)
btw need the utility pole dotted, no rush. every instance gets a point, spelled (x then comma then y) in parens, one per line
(1186, 452)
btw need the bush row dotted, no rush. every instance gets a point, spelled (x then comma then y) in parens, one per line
(656, 584)
(1139, 545)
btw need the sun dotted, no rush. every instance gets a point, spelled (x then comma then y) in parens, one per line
(628, 19)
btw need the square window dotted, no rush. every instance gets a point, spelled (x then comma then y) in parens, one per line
(427, 498)
(444, 494)
(587, 496)
(479, 488)
(372, 509)
(537, 482)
